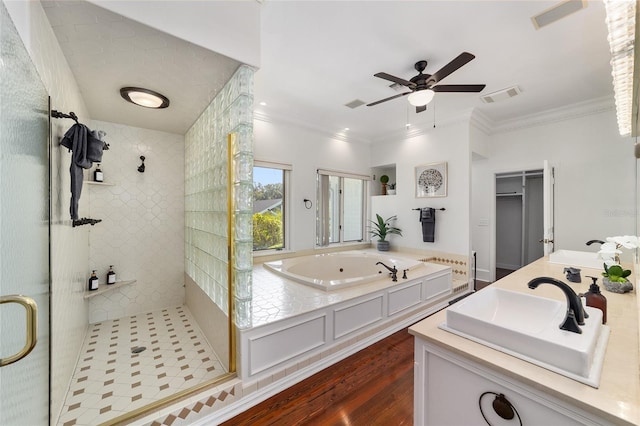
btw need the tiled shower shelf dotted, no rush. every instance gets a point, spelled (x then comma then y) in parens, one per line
(91, 182)
(103, 288)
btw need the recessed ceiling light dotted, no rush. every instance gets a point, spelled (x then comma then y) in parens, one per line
(144, 97)
(263, 103)
(346, 129)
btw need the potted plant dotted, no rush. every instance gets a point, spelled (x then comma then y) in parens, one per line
(384, 179)
(392, 189)
(614, 275)
(381, 228)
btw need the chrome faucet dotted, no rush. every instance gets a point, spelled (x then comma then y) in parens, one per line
(393, 271)
(575, 311)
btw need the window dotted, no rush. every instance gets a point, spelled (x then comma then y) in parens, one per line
(341, 207)
(269, 205)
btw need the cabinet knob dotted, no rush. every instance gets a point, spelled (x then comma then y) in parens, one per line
(503, 408)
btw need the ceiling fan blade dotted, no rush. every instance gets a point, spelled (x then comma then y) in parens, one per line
(421, 108)
(462, 59)
(395, 79)
(388, 99)
(472, 88)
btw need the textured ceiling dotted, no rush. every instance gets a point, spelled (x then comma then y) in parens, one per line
(107, 51)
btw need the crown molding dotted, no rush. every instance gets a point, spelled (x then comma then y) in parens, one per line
(292, 121)
(473, 116)
(569, 112)
(423, 129)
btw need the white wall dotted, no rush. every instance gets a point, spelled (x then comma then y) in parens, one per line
(69, 254)
(306, 151)
(448, 143)
(595, 177)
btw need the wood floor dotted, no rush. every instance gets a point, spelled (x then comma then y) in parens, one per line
(371, 387)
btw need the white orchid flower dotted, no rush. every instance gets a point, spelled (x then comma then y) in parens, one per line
(626, 241)
(609, 250)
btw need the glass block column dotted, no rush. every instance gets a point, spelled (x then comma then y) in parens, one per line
(206, 192)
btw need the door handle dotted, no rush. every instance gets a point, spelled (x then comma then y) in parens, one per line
(32, 326)
(546, 241)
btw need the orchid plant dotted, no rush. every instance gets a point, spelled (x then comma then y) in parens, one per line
(610, 253)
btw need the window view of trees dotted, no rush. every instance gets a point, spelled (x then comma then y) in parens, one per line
(268, 220)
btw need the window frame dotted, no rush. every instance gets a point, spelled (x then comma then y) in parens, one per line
(286, 204)
(323, 230)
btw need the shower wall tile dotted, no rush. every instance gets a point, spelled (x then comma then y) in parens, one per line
(69, 246)
(142, 228)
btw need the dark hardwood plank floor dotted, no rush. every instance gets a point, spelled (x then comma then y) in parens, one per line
(371, 387)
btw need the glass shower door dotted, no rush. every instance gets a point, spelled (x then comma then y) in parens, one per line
(24, 235)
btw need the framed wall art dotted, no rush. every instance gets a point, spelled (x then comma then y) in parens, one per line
(431, 180)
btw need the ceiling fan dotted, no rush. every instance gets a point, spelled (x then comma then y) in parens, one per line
(424, 86)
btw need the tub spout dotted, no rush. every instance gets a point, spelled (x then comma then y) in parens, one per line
(575, 311)
(393, 271)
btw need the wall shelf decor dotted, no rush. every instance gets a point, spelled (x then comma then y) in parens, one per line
(431, 180)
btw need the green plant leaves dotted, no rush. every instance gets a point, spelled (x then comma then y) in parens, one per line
(381, 227)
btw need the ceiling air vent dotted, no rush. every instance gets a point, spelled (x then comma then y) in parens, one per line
(354, 104)
(557, 12)
(501, 95)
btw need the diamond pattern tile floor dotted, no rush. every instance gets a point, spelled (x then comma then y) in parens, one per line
(111, 379)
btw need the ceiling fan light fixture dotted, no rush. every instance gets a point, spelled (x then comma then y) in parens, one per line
(144, 97)
(421, 97)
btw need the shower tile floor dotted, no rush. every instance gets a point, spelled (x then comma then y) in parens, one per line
(110, 380)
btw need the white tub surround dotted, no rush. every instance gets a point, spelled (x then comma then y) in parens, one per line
(295, 326)
(444, 361)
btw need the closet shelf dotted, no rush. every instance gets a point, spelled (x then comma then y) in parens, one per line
(90, 182)
(510, 194)
(103, 288)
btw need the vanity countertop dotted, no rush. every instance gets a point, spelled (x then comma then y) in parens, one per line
(618, 397)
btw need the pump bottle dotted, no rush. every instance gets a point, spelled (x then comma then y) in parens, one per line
(93, 281)
(97, 174)
(595, 299)
(111, 275)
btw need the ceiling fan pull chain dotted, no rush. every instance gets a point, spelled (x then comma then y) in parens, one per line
(434, 115)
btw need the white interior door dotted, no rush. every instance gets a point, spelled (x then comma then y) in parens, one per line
(24, 235)
(547, 195)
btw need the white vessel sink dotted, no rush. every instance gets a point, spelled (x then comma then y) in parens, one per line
(527, 327)
(584, 259)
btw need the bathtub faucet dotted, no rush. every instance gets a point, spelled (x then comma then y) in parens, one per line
(393, 271)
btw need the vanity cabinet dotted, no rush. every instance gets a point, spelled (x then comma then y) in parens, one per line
(448, 390)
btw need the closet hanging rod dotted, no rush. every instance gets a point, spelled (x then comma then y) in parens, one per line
(441, 209)
(57, 114)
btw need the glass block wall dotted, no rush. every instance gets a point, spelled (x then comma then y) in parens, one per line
(206, 191)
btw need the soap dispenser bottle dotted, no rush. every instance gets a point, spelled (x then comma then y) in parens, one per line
(111, 276)
(93, 281)
(97, 174)
(595, 299)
